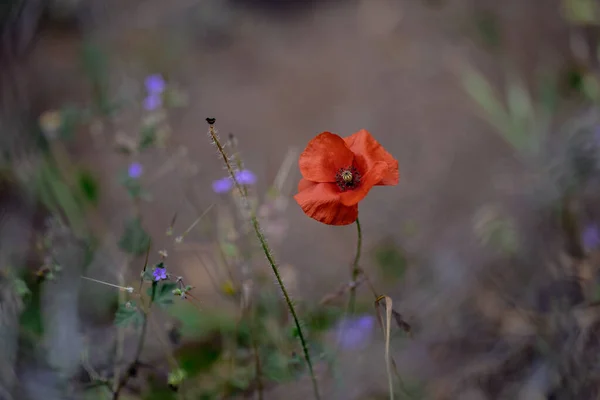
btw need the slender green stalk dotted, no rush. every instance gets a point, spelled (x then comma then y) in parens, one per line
(355, 270)
(265, 247)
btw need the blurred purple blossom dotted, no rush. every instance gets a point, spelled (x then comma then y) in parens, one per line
(245, 177)
(353, 332)
(223, 185)
(591, 237)
(152, 102)
(155, 84)
(135, 170)
(159, 273)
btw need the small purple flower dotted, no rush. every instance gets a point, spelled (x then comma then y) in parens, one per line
(152, 102)
(135, 170)
(159, 274)
(245, 177)
(591, 237)
(353, 332)
(155, 84)
(223, 185)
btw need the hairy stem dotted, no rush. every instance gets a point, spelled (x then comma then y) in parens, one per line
(355, 270)
(265, 247)
(138, 351)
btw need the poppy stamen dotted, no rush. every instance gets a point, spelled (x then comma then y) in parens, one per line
(347, 178)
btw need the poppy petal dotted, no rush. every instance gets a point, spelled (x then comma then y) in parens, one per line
(368, 151)
(304, 184)
(368, 180)
(323, 157)
(321, 201)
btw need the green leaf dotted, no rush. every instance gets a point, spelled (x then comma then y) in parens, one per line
(548, 94)
(21, 288)
(147, 137)
(488, 29)
(133, 186)
(495, 228)
(198, 357)
(147, 275)
(164, 293)
(230, 250)
(95, 64)
(134, 240)
(240, 379)
(323, 318)
(520, 109)
(157, 391)
(581, 12)
(596, 294)
(70, 118)
(176, 377)
(391, 260)
(128, 314)
(276, 367)
(88, 184)
(30, 319)
(60, 197)
(200, 324)
(483, 94)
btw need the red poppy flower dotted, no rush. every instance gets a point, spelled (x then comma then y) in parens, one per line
(337, 173)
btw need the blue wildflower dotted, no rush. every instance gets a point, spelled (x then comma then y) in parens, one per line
(354, 332)
(155, 84)
(135, 170)
(160, 273)
(245, 177)
(222, 185)
(152, 102)
(591, 237)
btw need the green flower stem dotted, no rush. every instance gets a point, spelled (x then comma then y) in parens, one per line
(355, 270)
(265, 247)
(140, 346)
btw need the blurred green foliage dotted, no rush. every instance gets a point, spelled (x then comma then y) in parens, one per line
(519, 118)
(95, 65)
(135, 240)
(487, 29)
(391, 260)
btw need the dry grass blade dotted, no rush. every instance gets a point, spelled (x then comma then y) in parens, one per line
(342, 290)
(386, 334)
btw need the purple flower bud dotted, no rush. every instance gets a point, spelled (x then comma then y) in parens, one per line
(152, 102)
(245, 177)
(159, 273)
(135, 170)
(591, 237)
(223, 185)
(354, 332)
(155, 84)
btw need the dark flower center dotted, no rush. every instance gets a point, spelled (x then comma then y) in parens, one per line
(347, 178)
